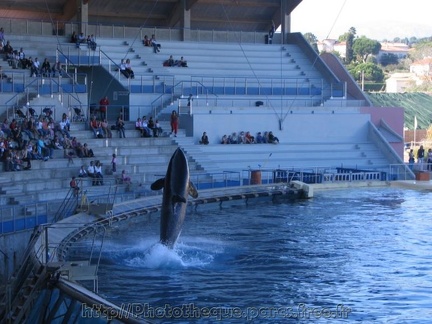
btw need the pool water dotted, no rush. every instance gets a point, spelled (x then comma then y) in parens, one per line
(345, 255)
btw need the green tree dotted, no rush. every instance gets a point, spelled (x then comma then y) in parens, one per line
(389, 58)
(349, 54)
(312, 40)
(372, 72)
(363, 47)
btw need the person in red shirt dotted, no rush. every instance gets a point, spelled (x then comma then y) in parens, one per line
(103, 107)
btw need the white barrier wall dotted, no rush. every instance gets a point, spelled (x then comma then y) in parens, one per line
(296, 127)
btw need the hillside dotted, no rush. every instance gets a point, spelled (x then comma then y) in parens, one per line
(414, 104)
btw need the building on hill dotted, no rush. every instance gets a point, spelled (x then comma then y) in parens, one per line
(400, 82)
(400, 50)
(422, 68)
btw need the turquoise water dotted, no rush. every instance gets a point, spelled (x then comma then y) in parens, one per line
(346, 255)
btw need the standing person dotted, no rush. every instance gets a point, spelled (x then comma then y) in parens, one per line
(190, 99)
(103, 107)
(114, 163)
(420, 156)
(271, 33)
(120, 126)
(174, 123)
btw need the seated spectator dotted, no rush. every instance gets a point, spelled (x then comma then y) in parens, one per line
(157, 128)
(86, 151)
(91, 172)
(81, 39)
(106, 128)
(155, 44)
(98, 173)
(260, 139)
(46, 68)
(146, 41)
(234, 138)
(249, 139)
(124, 178)
(152, 126)
(91, 42)
(64, 126)
(272, 139)
(74, 38)
(2, 38)
(128, 68)
(14, 60)
(224, 140)
(204, 139)
(82, 172)
(8, 50)
(169, 61)
(241, 138)
(57, 68)
(67, 121)
(138, 126)
(24, 62)
(147, 132)
(182, 62)
(35, 68)
(123, 69)
(96, 127)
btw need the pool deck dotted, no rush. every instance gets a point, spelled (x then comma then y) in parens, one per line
(412, 184)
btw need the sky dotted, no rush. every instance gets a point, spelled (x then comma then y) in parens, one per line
(375, 19)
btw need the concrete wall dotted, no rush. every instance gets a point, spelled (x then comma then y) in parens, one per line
(297, 127)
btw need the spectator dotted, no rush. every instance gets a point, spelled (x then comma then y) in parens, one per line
(2, 38)
(46, 68)
(204, 139)
(158, 128)
(152, 126)
(272, 139)
(129, 70)
(91, 42)
(82, 172)
(105, 127)
(81, 39)
(96, 127)
(124, 178)
(2, 75)
(103, 107)
(146, 130)
(190, 99)
(174, 121)
(169, 61)
(74, 186)
(120, 126)
(260, 139)
(98, 173)
(271, 33)
(74, 38)
(8, 50)
(224, 140)
(249, 139)
(24, 62)
(91, 172)
(155, 44)
(35, 68)
(114, 163)
(64, 127)
(86, 151)
(57, 68)
(123, 69)
(146, 41)
(182, 62)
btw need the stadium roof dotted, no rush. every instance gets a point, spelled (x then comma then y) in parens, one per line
(238, 15)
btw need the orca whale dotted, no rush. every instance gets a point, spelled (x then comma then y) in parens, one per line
(176, 188)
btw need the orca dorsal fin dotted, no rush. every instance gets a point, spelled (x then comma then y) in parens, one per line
(178, 198)
(158, 184)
